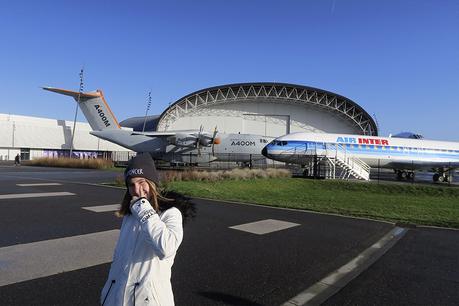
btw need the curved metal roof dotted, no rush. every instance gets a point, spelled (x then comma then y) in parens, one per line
(271, 92)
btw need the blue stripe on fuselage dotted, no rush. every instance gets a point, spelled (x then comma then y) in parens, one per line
(298, 146)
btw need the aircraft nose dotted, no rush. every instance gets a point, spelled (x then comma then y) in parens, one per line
(264, 152)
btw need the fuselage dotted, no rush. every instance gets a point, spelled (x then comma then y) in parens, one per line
(230, 147)
(397, 153)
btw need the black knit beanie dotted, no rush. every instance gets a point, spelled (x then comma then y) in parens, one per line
(142, 165)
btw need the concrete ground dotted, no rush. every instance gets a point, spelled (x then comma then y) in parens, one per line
(54, 251)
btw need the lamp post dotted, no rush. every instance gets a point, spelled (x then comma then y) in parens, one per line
(76, 111)
(146, 112)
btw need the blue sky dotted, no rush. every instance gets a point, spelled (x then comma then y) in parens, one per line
(397, 59)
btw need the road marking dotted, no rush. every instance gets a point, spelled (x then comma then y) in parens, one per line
(34, 195)
(39, 184)
(335, 281)
(63, 181)
(29, 261)
(264, 226)
(103, 208)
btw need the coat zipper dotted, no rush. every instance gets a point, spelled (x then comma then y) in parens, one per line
(135, 286)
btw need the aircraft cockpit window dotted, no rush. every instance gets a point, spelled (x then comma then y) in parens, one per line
(284, 143)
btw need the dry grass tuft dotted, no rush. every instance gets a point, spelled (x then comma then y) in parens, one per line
(94, 163)
(212, 176)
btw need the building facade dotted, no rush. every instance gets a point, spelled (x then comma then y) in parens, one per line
(33, 137)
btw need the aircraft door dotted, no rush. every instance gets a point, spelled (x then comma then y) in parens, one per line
(320, 148)
(311, 148)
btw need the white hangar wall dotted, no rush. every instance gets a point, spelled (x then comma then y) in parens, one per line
(37, 135)
(262, 118)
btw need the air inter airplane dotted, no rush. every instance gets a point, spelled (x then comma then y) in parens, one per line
(401, 154)
(184, 146)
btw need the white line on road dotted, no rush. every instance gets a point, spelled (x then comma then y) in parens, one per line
(34, 195)
(264, 227)
(103, 208)
(332, 283)
(29, 261)
(39, 184)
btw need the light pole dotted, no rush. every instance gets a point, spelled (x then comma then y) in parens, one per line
(76, 111)
(146, 112)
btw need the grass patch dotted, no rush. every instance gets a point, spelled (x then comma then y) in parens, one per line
(417, 204)
(65, 162)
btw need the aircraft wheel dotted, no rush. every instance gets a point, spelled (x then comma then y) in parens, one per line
(404, 175)
(436, 177)
(399, 175)
(446, 178)
(410, 176)
(441, 178)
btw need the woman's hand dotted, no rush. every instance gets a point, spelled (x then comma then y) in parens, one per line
(134, 199)
(141, 208)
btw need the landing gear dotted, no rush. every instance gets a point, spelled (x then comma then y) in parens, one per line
(401, 175)
(306, 172)
(442, 178)
(405, 175)
(410, 176)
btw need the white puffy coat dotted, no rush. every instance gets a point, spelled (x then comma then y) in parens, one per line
(141, 269)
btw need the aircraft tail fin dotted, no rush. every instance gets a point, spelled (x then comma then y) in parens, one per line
(94, 108)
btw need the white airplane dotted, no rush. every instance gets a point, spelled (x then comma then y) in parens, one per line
(401, 154)
(184, 146)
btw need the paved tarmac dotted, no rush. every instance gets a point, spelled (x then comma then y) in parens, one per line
(216, 263)
(421, 269)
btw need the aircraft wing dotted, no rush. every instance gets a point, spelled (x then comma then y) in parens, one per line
(165, 133)
(184, 138)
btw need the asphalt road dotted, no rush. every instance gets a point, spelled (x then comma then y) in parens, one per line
(421, 269)
(216, 264)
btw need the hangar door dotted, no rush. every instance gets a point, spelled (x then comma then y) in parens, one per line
(266, 124)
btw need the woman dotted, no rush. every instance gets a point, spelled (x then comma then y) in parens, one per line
(149, 238)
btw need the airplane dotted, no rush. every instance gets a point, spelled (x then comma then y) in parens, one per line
(176, 147)
(401, 154)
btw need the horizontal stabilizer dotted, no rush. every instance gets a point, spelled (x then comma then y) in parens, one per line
(83, 95)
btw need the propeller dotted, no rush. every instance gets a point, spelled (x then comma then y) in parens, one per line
(214, 140)
(198, 140)
(205, 139)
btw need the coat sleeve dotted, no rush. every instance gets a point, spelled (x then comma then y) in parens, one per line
(164, 233)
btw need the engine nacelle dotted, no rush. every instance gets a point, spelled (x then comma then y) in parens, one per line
(205, 141)
(183, 140)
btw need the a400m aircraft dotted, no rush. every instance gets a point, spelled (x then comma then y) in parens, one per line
(400, 154)
(184, 146)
